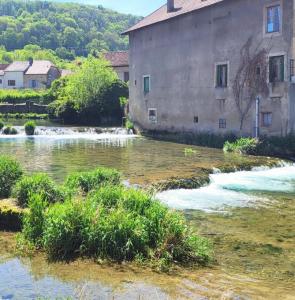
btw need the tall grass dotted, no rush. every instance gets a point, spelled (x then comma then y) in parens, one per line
(114, 223)
(10, 172)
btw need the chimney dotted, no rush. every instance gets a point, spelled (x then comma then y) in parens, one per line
(31, 61)
(170, 6)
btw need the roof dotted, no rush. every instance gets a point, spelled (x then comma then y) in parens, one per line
(117, 59)
(3, 66)
(39, 67)
(18, 66)
(181, 7)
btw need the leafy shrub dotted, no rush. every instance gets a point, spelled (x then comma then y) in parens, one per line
(242, 146)
(129, 124)
(17, 96)
(33, 221)
(87, 181)
(37, 184)
(1, 125)
(30, 127)
(65, 110)
(30, 116)
(9, 130)
(10, 172)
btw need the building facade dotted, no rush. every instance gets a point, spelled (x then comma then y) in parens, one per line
(119, 61)
(185, 57)
(37, 74)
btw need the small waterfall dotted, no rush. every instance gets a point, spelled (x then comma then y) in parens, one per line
(75, 132)
(237, 189)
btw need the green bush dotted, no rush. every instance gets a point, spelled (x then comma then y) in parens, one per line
(10, 172)
(242, 146)
(121, 224)
(1, 125)
(9, 130)
(114, 223)
(37, 184)
(10, 216)
(30, 127)
(129, 124)
(17, 96)
(29, 116)
(87, 181)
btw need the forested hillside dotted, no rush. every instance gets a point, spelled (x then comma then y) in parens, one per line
(68, 29)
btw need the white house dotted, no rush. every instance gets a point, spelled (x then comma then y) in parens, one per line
(14, 75)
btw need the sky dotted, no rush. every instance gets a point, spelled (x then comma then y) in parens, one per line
(135, 7)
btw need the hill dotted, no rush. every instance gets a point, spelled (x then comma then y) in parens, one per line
(70, 29)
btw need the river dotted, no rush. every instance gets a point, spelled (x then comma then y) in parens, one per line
(248, 215)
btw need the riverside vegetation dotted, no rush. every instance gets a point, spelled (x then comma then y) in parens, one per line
(94, 216)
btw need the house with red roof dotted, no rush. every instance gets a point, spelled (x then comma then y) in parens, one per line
(119, 61)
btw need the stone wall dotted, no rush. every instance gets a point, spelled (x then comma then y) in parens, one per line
(28, 107)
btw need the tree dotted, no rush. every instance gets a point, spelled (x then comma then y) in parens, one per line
(251, 78)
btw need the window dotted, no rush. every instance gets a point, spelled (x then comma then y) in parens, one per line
(221, 76)
(146, 84)
(153, 115)
(126, 76)
(11, 82)
(276, 69)
(34, 84)
(273, 22)
(0, 81)
(266, 119)
(221, 104)
(196, 119)
(222, 123)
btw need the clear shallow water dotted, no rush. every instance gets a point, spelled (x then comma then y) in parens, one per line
(239, 189)
(244, 240)
(60, 151)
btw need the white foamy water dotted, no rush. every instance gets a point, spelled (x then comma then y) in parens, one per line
(72, 133)
(237, 189)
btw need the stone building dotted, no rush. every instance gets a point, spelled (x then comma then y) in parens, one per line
(185, 57)
(119, 62)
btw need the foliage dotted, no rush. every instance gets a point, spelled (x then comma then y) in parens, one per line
(33, 222)
(29, 116)
(189, 151)
(10, 216)
(21, 96)
(87, 181)
(68, 29)
(9, 130)
(1, 124)
(242, 146)
(115, 223)
(10, 172)
(129, 124)
(91, 95)
(30, 127)
(37, 184)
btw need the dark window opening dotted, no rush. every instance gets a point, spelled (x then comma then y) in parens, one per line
(146, 84)
(276, 69)
(221, 76)
(266, 119)
(11, 82)
(222, 123)
(126, 76)
(196, 119)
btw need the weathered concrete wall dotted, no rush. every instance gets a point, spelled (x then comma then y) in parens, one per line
(28, 107)
(41, 81)
(180, 56)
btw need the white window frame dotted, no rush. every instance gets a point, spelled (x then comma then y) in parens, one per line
(215, 74)
(263, 124)
(265, 8)
(143, 77)
(155, 121)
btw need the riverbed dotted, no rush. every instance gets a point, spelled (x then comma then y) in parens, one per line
(249, 216)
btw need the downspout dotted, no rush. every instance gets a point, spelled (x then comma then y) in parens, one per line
(257, 117)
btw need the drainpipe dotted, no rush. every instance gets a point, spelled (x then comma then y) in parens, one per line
(170, 6)
(257, 117)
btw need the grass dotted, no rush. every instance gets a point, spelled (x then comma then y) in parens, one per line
(20, 96)
(242, 146)
(30, 127)
(29, 116)
(10, 172)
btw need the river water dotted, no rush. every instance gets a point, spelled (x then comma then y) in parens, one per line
(249, 216)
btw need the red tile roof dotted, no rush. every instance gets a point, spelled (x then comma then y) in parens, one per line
(118, 59)
(181, 7)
